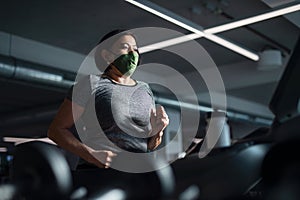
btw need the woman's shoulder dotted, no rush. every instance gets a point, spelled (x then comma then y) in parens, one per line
(87, 83)
(141, 83)
(87, 77)
(145, 86)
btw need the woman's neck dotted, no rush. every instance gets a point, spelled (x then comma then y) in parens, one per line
(117, 77)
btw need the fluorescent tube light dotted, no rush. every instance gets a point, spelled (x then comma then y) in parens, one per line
(167, 43)
(254, 19)
(179, 22)
(232, 46)
(182, 39)
(208, 32)
(224, 27)
(164, 16)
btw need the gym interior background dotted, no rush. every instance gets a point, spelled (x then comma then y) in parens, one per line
(43, 43)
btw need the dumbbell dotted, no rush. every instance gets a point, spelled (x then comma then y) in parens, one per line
(39, 171)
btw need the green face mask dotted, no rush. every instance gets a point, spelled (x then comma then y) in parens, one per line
(127, 63)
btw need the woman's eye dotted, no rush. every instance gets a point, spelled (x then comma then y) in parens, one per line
(125, 46)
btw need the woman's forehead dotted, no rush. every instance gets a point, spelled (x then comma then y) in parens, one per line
(129, 39)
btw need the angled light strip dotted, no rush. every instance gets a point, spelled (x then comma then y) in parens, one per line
(166, 17)
(167, 43)
(224, 27)
(189, 37)
(217, 29)
(239, 50)
(254, 19)
(231, 46)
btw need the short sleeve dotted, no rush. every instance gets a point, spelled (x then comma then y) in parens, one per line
(80, 92)
(150, 93)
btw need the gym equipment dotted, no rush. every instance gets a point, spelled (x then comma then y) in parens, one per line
(100, 183)
(225, 173)
(280, 171)
(39, 171)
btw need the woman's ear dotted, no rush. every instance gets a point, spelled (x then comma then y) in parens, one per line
(107, 56)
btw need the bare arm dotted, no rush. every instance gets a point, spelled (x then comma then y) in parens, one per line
(60, 134)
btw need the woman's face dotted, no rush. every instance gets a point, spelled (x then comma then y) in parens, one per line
(123, 55)
(124, 45)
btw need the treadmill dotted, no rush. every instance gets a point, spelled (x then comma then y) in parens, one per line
(252, 168)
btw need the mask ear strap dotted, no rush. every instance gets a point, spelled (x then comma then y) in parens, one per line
(139, 61)
(112, 52)
(106, 57)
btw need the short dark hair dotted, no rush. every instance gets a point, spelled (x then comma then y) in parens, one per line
(105, 43)
(113, 33)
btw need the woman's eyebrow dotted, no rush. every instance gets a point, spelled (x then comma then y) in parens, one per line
(134, 45)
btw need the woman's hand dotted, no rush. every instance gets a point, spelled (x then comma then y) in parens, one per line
(159, 121)
(102, 158)
(155, 140)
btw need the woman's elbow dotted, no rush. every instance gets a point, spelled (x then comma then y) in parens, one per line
(52, 132)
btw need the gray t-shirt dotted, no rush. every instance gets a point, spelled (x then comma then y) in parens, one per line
(115, 114)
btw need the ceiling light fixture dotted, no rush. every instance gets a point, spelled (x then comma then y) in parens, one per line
(169, 42)
(254, 19)
(159, 11)
(190, 26)
(208, 32)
